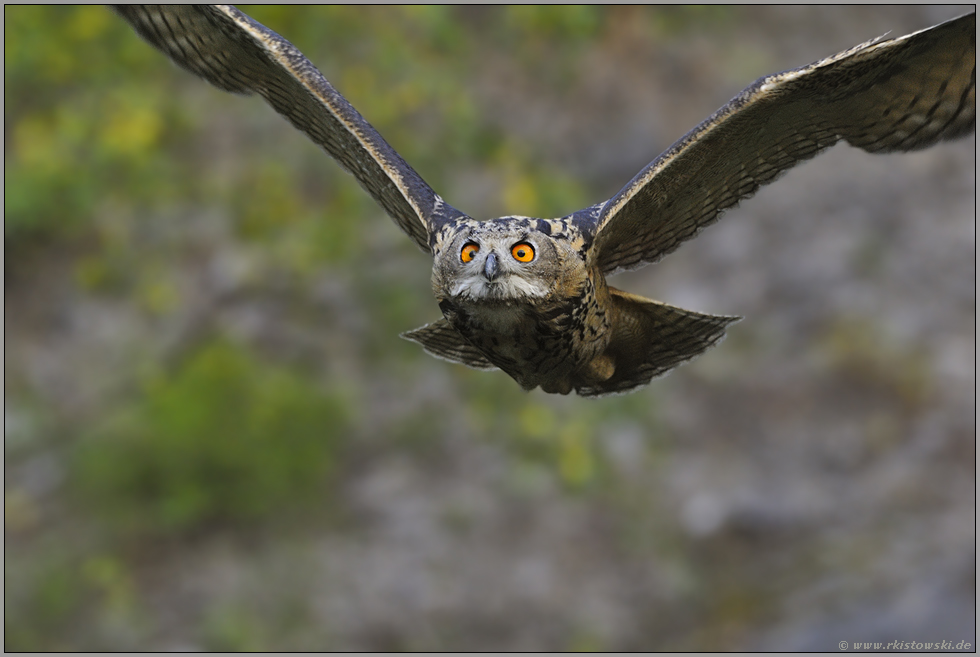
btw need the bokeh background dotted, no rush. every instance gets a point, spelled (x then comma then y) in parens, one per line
(215, 439)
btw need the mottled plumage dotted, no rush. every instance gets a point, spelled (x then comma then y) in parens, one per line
(528, 295)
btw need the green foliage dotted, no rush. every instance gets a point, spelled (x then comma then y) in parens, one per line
(685, 18)
(566, 442)
(63, 591)
(561, 23)
(54, 596)
(536, 190)
(81, 122)
(224, 438)
(276, 622)
(234, 629)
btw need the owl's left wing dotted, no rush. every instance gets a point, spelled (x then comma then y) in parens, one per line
(884, 95)
(235, 53)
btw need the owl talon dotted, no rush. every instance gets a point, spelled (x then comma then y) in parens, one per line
(560, 387)
(600, 369)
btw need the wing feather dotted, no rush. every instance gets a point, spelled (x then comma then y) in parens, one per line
(443, 341)
(884, 95)
(233, 52)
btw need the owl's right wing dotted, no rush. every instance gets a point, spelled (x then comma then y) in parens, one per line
(235, 53)
(884, 95)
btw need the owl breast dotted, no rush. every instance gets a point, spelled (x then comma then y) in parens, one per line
(556, 343)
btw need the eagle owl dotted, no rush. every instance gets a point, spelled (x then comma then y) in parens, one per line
(528, 295)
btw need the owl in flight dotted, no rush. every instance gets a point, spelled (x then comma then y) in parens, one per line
(529, 296)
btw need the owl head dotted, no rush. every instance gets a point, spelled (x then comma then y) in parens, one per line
(503, 260)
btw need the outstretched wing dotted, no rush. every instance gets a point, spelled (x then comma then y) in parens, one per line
(235, 53)
(884, 95)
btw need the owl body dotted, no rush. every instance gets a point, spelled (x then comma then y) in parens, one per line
(525, 299)
(549, 345)
(523, 295)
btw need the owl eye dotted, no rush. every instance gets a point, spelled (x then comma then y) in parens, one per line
(469, 251)
(522, 252)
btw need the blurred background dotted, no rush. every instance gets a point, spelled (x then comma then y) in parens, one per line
(215, 439)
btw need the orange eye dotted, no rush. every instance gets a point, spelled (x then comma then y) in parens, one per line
(469, 251)
(522, 252)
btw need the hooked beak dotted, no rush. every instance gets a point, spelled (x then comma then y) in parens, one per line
(490, 267)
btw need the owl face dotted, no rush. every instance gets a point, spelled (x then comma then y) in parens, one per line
(501, 260)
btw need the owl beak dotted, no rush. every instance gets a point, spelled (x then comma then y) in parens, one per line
(490, 267)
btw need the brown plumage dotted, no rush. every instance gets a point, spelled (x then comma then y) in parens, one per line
(528, 295)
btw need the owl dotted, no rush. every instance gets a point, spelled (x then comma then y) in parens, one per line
(529, 295)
